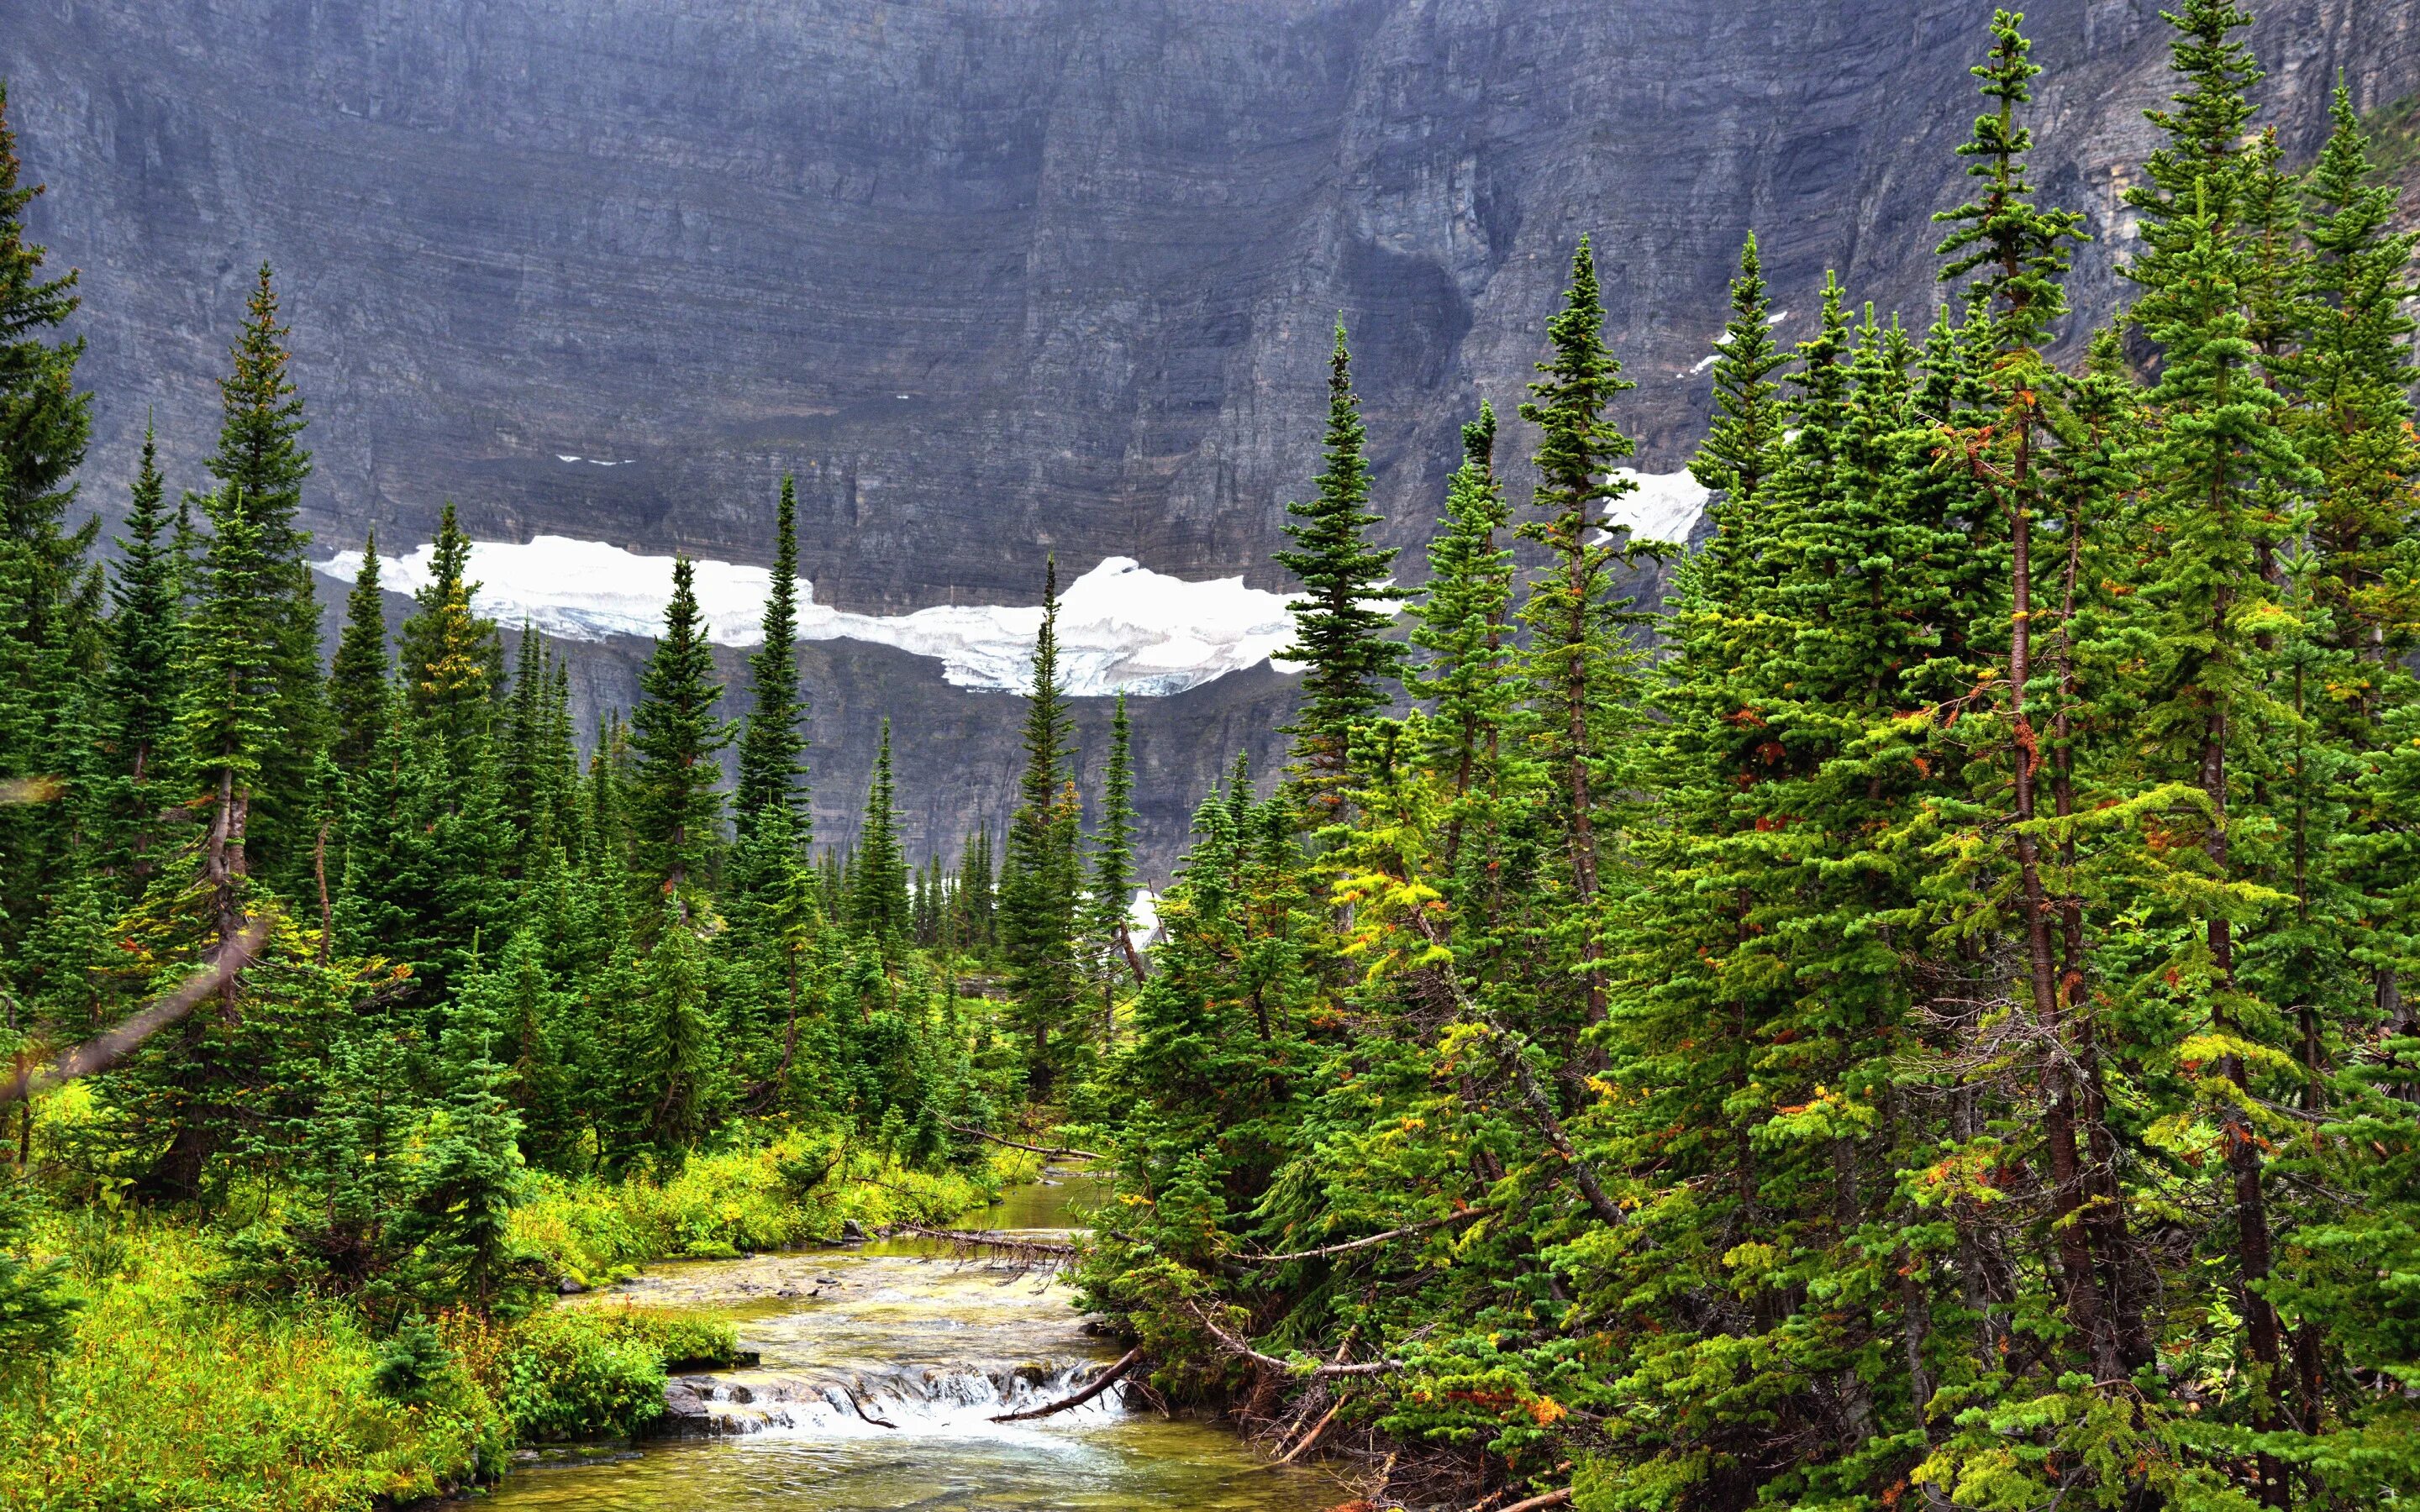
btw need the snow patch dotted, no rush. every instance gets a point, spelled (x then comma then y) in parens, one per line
(1703, 363)
(1122, 627)
(1665, 506)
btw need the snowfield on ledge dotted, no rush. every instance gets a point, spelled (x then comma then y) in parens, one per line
(1123, 627)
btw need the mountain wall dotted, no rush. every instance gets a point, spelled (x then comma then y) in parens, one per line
(999, 278)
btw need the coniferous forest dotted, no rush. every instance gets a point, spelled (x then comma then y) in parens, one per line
(1921, 1018)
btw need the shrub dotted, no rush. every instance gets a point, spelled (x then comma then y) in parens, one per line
(575, 1373)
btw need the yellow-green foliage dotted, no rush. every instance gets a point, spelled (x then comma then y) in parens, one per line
(173, 1396)
(798, 1187)
(171, 1399)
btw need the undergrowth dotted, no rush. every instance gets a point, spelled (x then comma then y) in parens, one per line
(181, 1389)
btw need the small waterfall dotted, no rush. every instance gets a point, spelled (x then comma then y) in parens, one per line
(917, 1403)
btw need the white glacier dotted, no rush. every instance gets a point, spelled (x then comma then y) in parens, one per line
(1122, 627)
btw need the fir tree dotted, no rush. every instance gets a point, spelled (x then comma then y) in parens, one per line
(2197, 170)
(1339, 629)
(2355, 371)
(1575, 667)
(1463, 621)
(676, 809)
(677, 1053)
(1742, 447)
(450, 658)
(44, 421)
(140, 692)
(1038, 878)
(261, 465)
(359, 697)
(772, 752)
(878, 901)
(1111, 885)
(2204, 698)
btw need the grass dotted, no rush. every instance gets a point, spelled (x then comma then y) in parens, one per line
(174, 1396)
(798, 1188)
(171, 1399)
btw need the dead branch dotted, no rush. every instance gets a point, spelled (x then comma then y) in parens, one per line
(115, 1043)
(1239, 1348)
(1312, 1437)
(877, 1422)
(1534, 1503)
(1100, 1383)
(1350, 1246)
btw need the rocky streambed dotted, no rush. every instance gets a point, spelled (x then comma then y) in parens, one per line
(879, 1370)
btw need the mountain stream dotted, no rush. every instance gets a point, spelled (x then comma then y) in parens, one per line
(904, 1334)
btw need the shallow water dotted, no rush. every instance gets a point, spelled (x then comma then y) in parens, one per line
(932, 1346)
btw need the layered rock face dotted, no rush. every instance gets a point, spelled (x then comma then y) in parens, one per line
(999, 278)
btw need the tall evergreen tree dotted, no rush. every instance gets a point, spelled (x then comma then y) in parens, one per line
(1470, 682)
(261, 465)
(140, 693)
(359, 697)
(1576, 668)
(676, 810)
(228, 718)
(2206, 709)
(1340, 628)
(450, 657)
(878, 901)
(44, 421)
(1038, 877)
(1108, 944)
(772, 751)
(1743, 446)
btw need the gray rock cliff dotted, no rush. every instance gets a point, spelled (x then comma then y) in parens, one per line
(996, 278)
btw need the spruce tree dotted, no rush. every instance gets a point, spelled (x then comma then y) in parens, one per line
(1108, 944)
(2197, 170)
(44, 421)
(1743, 446)
(675, 1050)
(1575, 667)
(878, 902)
(359, 698)
(450, 658)
(1463, 622)
(228, 718)
(772, 751)
(1038, 877)
(140, 691)
(677, 807)
(2356, 372)
(1339, 629)
(2205, 704)
(261, 465)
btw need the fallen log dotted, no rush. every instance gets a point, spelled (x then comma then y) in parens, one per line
(987, 1239)
(978, 1133)
(1100, 1384)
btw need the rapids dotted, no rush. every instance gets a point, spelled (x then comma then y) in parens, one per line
(932, 1344)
